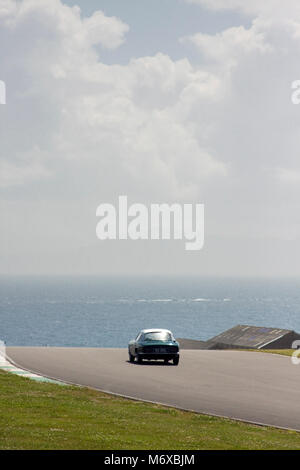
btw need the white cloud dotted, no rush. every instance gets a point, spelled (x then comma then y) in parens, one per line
(54, 17)
(119, 119)
(100, 29)
(229, 45)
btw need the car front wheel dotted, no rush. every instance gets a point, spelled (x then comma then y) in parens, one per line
(139, 359)
(176, 361)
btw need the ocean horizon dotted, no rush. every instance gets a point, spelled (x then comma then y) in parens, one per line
(108, 312)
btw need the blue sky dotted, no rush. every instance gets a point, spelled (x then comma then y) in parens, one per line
(157, 25)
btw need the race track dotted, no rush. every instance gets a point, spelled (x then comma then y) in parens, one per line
(255, 387)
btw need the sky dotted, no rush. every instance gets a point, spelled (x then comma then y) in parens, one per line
(185, 101)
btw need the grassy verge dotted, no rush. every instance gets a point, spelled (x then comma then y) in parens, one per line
(45, 416)
(282, 352)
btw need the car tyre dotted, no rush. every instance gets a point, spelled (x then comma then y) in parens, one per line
(139, 359)
(131, 358)
(176, 361)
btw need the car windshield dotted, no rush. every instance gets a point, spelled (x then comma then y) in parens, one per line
(157, 336)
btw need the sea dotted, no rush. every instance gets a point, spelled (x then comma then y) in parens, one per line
(108, 312)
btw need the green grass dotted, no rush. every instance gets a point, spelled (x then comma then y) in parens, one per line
(46, 416)
(282, 352)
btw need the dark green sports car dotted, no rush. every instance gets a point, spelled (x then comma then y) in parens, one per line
(154, 344)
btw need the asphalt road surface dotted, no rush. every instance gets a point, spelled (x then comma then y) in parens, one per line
(255, 387)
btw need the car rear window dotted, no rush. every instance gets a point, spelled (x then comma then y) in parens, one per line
(157, 336)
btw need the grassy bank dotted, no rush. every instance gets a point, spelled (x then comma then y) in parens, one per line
(45, 416)
(282, 352)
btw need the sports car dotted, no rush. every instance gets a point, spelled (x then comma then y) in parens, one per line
(154, 344)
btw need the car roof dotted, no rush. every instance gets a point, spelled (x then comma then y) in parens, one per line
(155, 330)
